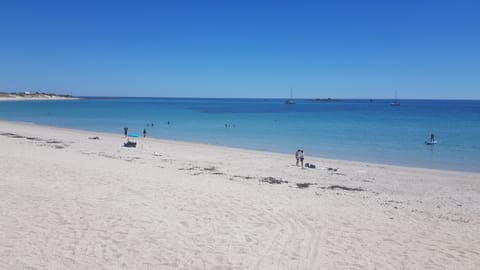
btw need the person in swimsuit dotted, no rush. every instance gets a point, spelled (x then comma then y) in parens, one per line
(297, 156)
(301, 157)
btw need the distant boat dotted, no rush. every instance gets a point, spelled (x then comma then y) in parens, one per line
(395, 102)
(290, 100)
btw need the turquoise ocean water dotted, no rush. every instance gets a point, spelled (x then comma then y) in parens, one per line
(360, 130)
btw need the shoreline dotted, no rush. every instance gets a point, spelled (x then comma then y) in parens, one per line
(193, 143)
(334, 136)
(72, 201)
(35, 99)
(11, 97)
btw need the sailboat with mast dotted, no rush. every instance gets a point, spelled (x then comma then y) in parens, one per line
(395, 102)
(290, 100)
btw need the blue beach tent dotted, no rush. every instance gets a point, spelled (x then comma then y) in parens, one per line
(131, 141)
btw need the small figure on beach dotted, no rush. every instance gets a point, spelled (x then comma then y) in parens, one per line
(144, 132)
(297, 156)
(432, 137)
(125, 131)
(301, 157)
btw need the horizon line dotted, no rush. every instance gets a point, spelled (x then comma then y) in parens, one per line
(274, 98)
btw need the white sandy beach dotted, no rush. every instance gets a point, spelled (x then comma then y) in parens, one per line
(70, 202)
(8, 97)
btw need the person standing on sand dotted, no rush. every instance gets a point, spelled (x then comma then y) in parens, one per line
(144, 132)
(125, 131)
(301, 156)
(297, 156)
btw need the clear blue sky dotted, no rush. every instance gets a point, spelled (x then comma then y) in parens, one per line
(339, 49)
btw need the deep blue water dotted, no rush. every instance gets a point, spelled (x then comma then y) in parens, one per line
(361, 130)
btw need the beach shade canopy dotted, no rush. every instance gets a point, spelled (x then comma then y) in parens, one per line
(133, 135)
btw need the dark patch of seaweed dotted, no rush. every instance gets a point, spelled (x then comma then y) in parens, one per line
(272, 180)
(333, 187)
(304, 185)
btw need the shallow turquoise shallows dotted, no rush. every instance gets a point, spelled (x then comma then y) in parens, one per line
(360, 130)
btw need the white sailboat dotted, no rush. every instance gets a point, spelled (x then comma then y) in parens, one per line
(290, 100)
(395, 102)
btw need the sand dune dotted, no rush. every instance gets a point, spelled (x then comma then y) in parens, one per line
(70, 202)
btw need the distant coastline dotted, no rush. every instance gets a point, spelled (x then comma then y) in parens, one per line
(4, 96)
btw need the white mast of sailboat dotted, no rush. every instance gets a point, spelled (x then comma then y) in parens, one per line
(290, 101)
(395, 102)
